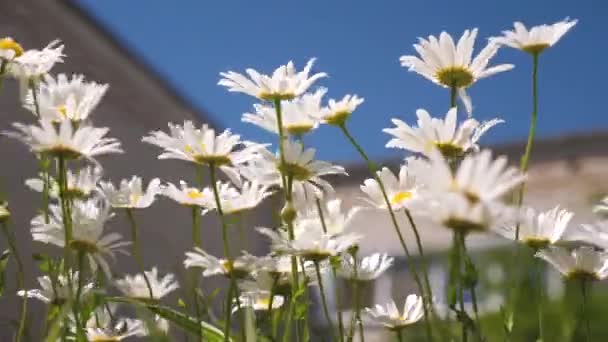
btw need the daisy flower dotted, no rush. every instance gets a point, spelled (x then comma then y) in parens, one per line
(202, 146)
(63, 98)
(66, 140)
(266, 167)
(238, 267)
(452, 140)
(450, 64)
(278, 268)
(390, 317)
(9, 49)
(602, 207)
(581, 263)
(368, 268)
(538, 230)
(402, 192)
(260, 300)
(537, 39)
(595, 234)
(124, 328)
(247, 197)
(32, 64)
(4, 212)
(313, 245)
(337, 112)
(189, 196)
(61, 293)
(135, 286)
(299, 116)
(336, 220)
(284, 83)
(88, 235)
(130, 193)
(79, 185)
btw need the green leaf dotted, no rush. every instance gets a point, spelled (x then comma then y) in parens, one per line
(3, 261)
(181, 320)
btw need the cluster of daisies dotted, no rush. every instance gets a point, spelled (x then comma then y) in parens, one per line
(447, 178)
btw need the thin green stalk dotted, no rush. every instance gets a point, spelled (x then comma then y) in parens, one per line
(198, 242)
(357, 300)
(324, 301)
(2, 72)
(399, 333)
(453, 91)
(66, 215)
(412, 268)
(137, 251)
(46, 180)
(32, 85)
(12, 245)
(539, 280)
(584, 294)
(425, 272)
(76, 306)
(196, 227)
(525, 159)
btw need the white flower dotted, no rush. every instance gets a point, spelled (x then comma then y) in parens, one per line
(9, 49)
(402, 192)
(189, 196)
(266, 167)
(451, 140)
(135, 286)
(335, 220)
(537, 39)
(260, 300)
(299, 116)
(284, 83)
(65, 139)
(63, 98)
(238, 267)
(124, 328)
(314, 245)
(582, 263)
(203, 146)
(80, 185)
(368, 268)
(390, 317)
(32, 64)
(61, 293)
(279, 268)
(130, 193)
(88, 222)
(451, 65)
(602, 207)
(538, 230)
(595, 234)
(337, 112)
(249, 196)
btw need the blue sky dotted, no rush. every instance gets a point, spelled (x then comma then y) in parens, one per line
(358, 43)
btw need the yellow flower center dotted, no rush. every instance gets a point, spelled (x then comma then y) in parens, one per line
(401, 196)
(455, 76)
(275, 96)
(188, 148)
(135, 198)
(298, 172)
(463, 225)
(448, 150)
(84, 246)
(263, 302)
(535, 49)
(337, 118)
(63, 111)
(104, 338)
(582, 275)
(298, 129)
(10, 44)
(194, 194)
(535, 242)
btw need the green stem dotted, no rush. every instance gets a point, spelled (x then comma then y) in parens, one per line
(12, 245)
(412, 268)
(66, 215)
(357, 300)
(399, 333)
(539, 280)
(137, 251)
(453, 92)
(2, 72)
(585, 313)
(324, 301)
(76, 306)
(198, 242)
(35, 97)
(196, 227)
(425, 272)
(525, 159)
(46, 181)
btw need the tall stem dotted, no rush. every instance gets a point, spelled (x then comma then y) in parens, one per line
(356, 285)
(539, 281)
(585, 313)
(412, 268)
(66, 215)
(399, 333)
(453, 91)
(12, 245)
(425, 272)
(324, 301)
(137, 251)
(525, 159)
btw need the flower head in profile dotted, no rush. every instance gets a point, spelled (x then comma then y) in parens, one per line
(122, 329)
(130, 193)
(581, 263)
(402, 191)
(277, 268)
(285, 83)
(538, 230)
(314, 245)
(248, 196)
(337, 112)
(367, 268)
(63, 98)
(390, 317)
(537, 39)
(202, 146)
(256, 294)
(135, 285)
(451, 65)
(451, 139)
(188, 195)
(32, 64)
(88, 232)
(335, 220)
(299, 116)
(9, 49)
(595, 234)
(238, 267)
(59, 292)
(66, 139)
(80, 185)
(266, 168)
(602, 207)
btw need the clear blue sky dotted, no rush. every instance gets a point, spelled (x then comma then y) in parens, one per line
(358, 43)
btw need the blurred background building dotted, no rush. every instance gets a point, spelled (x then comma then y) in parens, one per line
(162, 62)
